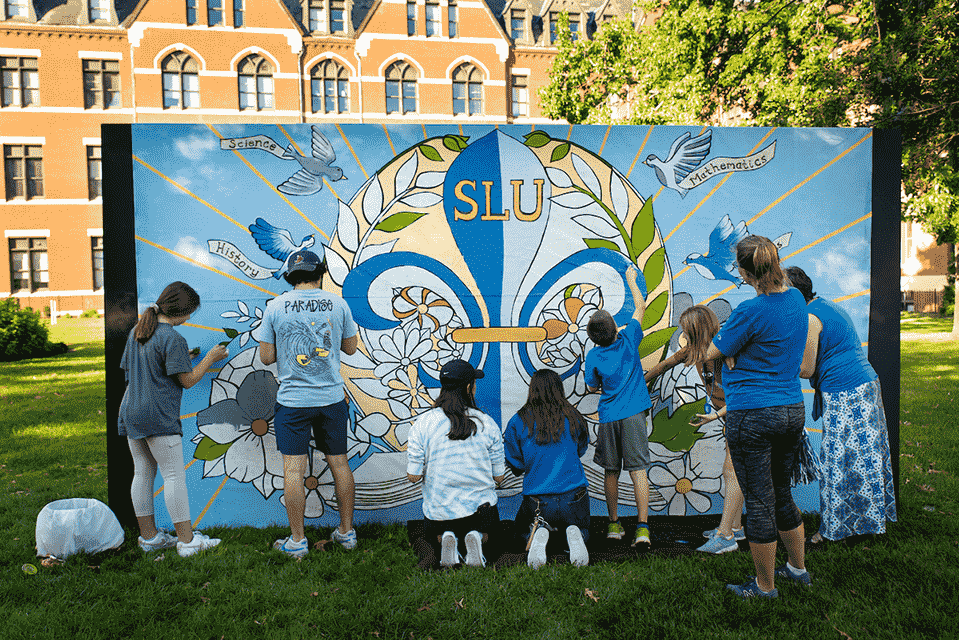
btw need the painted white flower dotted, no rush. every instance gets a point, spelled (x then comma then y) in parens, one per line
(423, 306)
(318, 485)
(446, 348)
(400, 348)
(565, 319)
(676, 386)
(407, 395)
(359, 440)
(684, 484)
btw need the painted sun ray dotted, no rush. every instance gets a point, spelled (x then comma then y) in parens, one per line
(366, 176)
(187, 191)
(210, 503)
(389, 140)
(272, 186)
(605, 138)
(639, 152)
(828, 235)
(864, 292)
(203, 266)
(200, 326)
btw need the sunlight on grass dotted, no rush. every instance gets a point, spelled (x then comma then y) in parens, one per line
(58, 430)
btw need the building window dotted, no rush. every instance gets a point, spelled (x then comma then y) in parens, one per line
(574, 26)
(99, 10)
(411, 17)
(467, 90)
(517, 24)
(330, 88)
(214, 12)
(96, 246)
(101, 84)
(433, 18)
(401, 88)
(29, 269)
(520, 96)
(317, 15)
(23, 170)
(553, 25)
(21, 82)
(237, 13)
(17, 9)
(337, 16)
(94, 172)
(256, 83)
(181, 82)
(451, 27)
(191, 12)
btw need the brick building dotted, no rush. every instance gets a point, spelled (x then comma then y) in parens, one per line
(69, 66)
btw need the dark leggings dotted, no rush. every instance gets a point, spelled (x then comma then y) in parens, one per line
(484, 520)
(764, 445)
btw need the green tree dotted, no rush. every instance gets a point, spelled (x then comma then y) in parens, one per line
(884, 64)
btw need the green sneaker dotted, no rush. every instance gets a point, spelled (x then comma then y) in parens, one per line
(615, 531)
(642, 535)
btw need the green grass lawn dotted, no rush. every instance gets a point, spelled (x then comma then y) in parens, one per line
(924, 323)
(901, 585)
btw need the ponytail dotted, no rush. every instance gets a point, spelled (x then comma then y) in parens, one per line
(177, 300)
(759, 257)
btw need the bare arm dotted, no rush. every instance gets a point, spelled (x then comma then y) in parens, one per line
(665, 364)
(713, 352)
(638, 299)
(703, 418)
(190, 378)
(348, 345)
(808, 366)
(267, 353)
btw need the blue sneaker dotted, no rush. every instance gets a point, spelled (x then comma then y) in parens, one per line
(292, 549)
(718, 544)
(800, 578)
(347, 540)
(738, 534)
(751, 590)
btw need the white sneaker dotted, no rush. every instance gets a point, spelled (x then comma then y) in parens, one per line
(474, 549)
(448, 553)
(199, 543)
(162, 540)
(537, 550)
(578, 555)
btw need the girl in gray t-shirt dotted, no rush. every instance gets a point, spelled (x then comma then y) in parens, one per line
(156, 365)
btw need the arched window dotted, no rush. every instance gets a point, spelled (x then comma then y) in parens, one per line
(467, 90)
(330, 88)
(401, 88)
(255, 83)
(181, 84)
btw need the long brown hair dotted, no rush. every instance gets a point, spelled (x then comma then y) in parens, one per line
(759, 257)
(454, 401)
(547, 409)
(700, 325)
(178, 299)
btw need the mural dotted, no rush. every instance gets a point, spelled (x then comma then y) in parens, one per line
(491, 244)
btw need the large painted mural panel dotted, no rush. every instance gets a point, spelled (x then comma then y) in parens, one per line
(491, 244)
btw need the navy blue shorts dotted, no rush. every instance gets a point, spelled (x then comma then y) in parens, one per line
(327, 425)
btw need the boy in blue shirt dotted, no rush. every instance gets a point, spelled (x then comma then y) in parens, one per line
(615, 366)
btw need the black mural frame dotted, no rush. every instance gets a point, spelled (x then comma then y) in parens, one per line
(120, 284)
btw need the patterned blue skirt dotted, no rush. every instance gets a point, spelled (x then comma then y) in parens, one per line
(856, 490)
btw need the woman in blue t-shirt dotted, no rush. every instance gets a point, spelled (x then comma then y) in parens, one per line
(544, 441)
(856, 491)
(765, 417)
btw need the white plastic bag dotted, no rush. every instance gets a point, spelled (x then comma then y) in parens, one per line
(67, 526)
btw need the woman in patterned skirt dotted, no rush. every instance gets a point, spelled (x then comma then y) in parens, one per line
(856, 492)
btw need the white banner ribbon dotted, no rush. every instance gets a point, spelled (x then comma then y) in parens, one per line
(229, 251)
(264, 143)
(718, 166)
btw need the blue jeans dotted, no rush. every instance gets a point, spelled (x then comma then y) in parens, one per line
(560, 510)
(765, 446)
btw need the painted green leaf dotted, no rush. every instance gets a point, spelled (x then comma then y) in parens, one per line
(399, 221)
(599, 243)
(454, 143)
(208, 449)
(644, 228)
(655, 310)
(462, 140)
(431, 153)
(675, 433)
(569, 290)
(655, 340)
(230, 333)
(560, 152)
(655, 269)
(536, 139)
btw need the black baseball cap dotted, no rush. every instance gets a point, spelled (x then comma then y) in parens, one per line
(303, 261)
(457, 373)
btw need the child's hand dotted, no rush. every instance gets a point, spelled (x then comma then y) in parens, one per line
(730, 362)
(217, 353)
(703, 418)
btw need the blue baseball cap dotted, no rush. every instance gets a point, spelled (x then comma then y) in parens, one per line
(304, 261)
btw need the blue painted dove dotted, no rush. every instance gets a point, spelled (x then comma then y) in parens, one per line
(309, 179)
(684, 156)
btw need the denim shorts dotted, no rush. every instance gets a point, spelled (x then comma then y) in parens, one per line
(294, 426)
(765, 446)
